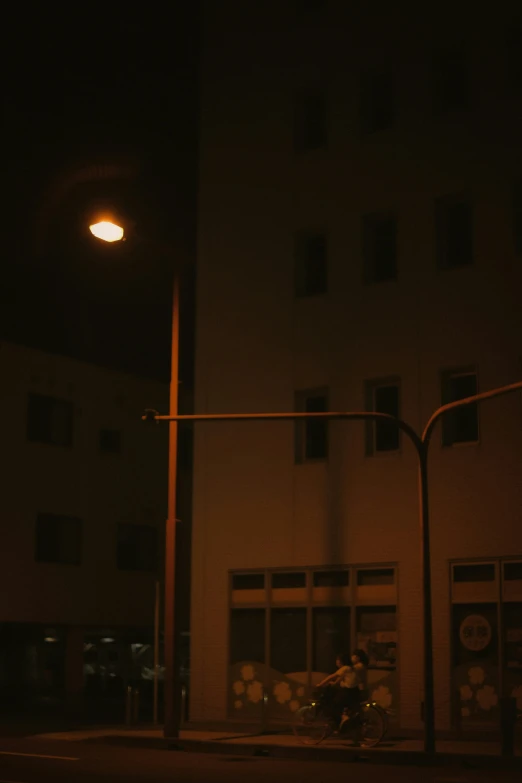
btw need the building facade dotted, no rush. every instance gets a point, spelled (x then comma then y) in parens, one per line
(359, 248)
(82, 518)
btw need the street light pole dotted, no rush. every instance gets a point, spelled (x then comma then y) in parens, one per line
(172, 693)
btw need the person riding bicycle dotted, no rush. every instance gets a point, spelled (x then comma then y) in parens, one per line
(350, 684)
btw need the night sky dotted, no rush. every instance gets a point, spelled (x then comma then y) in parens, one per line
(101, 111)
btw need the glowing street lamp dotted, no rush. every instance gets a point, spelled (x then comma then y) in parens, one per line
(107, 231)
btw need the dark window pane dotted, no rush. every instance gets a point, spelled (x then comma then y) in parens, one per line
(451, 81)
(248, 581)
(331, 578)
(480, 572)
(377, 634)
(331, 636)
(58, 539)
(386, 400)
(288, 640)
(379, 248)
(247, 635)
(289, 579)
(512, 571)
(377, 102)
(49, 420)
(110, 441)
(311, 435)
(376, 576)
(512, 615)
(454, 233)
(310, 122)
(461, 424)
(137, 547)
(311, 265)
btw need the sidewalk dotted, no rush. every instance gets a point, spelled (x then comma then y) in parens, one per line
(284, 745)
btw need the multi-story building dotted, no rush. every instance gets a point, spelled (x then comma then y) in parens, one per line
(82, 516)
(359, 248)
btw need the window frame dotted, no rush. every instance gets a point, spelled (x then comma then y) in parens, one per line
(42, 518)
(371, 427)
(34, 432)
(445, 376)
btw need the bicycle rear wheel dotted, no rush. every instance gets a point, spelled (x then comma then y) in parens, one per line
(309, 727)
(372, 725)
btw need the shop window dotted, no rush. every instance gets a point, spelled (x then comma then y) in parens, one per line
(376, 576)
(331, 636)
(331, 578)
(377, 634)
(513, 635)
(248, 581)
(288, 640)
(476, 572)
(289, 579)
(247, 635)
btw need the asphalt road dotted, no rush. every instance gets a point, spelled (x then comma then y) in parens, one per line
(39, 761)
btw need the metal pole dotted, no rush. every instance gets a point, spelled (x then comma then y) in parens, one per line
(172, 701)
(156, 651)
(429, 696)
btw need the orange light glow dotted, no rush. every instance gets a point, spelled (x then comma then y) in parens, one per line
(107, 231)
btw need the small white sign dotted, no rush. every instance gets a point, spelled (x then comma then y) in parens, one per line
(475, 632)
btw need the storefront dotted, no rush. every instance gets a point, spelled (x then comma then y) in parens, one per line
(287, 626)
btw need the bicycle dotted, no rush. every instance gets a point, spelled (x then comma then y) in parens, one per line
(313, 724)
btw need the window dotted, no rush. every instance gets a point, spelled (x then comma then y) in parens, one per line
(137, 547)
(58, 539)
(377, 103)
(517, 216)
(460, 425)
(454, 227)
(311, 435)
(110, 441)
(451, 81)
(248, 581)
(288, 579)
(476, 572)
(382, 397)
(288, 640)
(376, 576)
(310, 128)
(247, 635)
(379, 247)
(513, 571)
(331, 578)
(49, 420)
(377, 634)
(311, 267)
(331, 636)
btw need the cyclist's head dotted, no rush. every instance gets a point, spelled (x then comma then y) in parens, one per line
(359, 656)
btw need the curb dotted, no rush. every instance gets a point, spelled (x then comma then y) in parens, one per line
(315, 753)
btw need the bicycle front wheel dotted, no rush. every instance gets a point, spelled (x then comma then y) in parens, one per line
(309, 727)
(372, 725)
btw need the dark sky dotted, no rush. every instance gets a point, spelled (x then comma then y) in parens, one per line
(86, 89)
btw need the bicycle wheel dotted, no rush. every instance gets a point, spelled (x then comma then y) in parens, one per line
(372, 724)
(309, 727)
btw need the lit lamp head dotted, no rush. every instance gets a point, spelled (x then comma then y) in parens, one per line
(107, 231)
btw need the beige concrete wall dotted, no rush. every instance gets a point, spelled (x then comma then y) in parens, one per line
(256, 344)
(101, 489)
